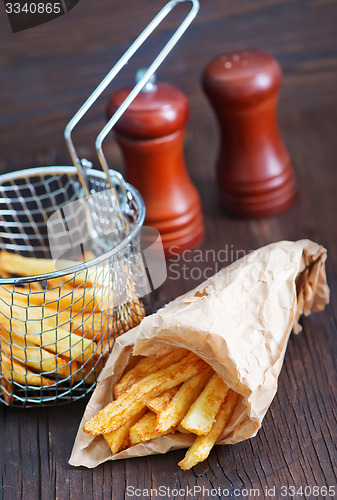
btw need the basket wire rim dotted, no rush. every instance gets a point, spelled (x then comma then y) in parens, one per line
(97, 260)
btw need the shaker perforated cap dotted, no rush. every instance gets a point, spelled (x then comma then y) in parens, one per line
(242, 76)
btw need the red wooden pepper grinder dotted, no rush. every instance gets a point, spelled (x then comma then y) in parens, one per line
(254, 170)
(151, 136)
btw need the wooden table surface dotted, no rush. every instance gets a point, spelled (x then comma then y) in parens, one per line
(45, 74)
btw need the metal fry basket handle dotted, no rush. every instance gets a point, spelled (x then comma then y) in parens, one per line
(134, 92)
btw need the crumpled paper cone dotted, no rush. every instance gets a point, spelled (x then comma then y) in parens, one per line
(239, 321)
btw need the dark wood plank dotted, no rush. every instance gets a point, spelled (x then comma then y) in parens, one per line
(42, 84)
(297, 443)
(47, 72)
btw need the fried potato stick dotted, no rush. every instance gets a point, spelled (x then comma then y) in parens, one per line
(145, 429)
(116, 439)
(19, 265)
(175, 411)
(48, 317)
(17, 296)
(14, 370)
(98, 325)
(41, 334)
(61, 298)
(92, 325)
(131, 402)
(6, 390)
(40, 325)
(76, 371)
(159, 403)
(33, 286)
(200, 417)
(146, 366)
(52, 317)
(78, 299)
(36, 358)
(202, 446)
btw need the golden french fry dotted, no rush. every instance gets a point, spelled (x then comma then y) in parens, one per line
(61, 298)
(69, 345)
(202, 446)
(18, 309)
(116, 439)
(100, 325)
(92, 325)
(6, 390)
(16, 295)
(86, 324)
(71, 281)
(146, 366)
(52, 316)
(55, 283)
(145, 429)
(126, 443)
(48, 315)
(18, 265)
(131, 402)
(175, 411)
(159, 403)
(106, 324)
(24, 266)
(14, 370)
(35, 324)
(82, 373)
(33, 286)
(78, 299)
(42, 334)
(38, 326)
(51, 326)
(200, 417)
(88, 379)
(4, 274)
(34, 357)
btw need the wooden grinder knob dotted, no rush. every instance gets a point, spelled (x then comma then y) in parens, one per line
(151, 136)
(254, 170)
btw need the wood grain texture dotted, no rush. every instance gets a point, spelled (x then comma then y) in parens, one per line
(42, 84)
(297, 443)
(47, 72)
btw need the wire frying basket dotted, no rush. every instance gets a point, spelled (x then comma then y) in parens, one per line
(58, 327)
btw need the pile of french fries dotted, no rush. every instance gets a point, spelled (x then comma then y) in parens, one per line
(175, 392)
(56, 330)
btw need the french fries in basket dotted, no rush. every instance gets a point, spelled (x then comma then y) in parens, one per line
(13, 369)
(183, 394)
(59, 328)
(11, 263)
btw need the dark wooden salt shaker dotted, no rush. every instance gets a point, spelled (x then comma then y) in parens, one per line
(254, 170)
(151, 136)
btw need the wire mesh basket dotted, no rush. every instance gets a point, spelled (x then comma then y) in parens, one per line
(57, 329)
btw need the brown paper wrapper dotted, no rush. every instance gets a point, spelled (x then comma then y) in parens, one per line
(239, 321)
